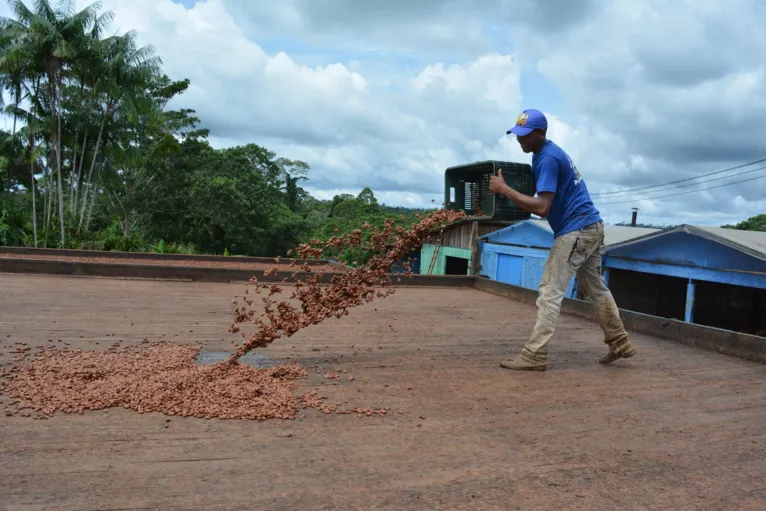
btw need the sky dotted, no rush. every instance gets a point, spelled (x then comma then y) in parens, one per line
(388, 94)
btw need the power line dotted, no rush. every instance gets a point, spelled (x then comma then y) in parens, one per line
(700, 183)
(630, 190)
(623, 201)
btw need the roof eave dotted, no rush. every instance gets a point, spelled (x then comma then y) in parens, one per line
(690, 229)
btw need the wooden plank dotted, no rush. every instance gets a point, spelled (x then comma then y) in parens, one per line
(475, 264)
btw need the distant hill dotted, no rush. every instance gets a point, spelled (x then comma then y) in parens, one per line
(754, 223)
(398, 210)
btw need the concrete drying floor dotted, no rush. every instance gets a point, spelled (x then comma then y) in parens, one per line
(673, 428)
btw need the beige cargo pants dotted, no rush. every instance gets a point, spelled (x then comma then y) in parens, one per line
(574, 253)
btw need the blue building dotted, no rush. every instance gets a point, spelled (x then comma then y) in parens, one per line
(706, 275)
(516, 254)
(448, 251)
(411, 260)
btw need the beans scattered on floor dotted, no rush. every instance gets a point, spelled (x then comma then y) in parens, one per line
(164, 377)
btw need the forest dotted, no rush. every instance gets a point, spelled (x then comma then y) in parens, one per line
(96, 160)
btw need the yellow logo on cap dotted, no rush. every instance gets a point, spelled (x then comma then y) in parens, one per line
(521, 120)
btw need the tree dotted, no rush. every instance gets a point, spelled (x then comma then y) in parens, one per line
(292, 172)
(39, 50)
(115, 168)
(128, 88)
(46, 41)
(754, 223)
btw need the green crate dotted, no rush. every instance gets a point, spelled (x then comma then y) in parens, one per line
(467, 186)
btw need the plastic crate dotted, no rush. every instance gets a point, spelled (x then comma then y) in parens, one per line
(466, 187)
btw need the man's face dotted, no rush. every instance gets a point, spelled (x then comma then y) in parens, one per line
(531, 142)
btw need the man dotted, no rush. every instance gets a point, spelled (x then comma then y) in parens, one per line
(563, 199)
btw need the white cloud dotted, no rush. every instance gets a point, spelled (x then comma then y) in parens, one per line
(353, 134)
(389, 95)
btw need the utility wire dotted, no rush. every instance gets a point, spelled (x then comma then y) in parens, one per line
(630, 190)
(695, 184)
(623, 201)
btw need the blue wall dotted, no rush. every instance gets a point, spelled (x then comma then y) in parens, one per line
(695, 259)
(516, 255)
(414, 260)
(685, 255)
(682, 248)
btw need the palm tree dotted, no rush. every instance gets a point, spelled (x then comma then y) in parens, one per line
(88, 71)
(46, 42)
(89, 102)
(143, 132)
(12, 72)
(49, 40)
(126, 73)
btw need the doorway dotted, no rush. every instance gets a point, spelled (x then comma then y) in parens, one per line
(455, 266)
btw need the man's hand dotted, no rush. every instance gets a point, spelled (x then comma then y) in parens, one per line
(497, 183)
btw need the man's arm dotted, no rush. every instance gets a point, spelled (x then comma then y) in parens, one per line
(539, 205)
(545, 186)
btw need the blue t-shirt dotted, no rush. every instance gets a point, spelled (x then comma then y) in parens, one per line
(572, 207)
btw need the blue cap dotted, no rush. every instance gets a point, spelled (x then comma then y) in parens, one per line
(528, 121)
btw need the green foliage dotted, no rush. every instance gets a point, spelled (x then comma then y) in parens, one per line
(110, 167)
(159, 248)
(113, 238)
(171, 248)
(5, 229)
(346, 213)
(14, 220)
(754, 223)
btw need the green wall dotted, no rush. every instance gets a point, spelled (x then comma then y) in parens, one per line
(427, 252)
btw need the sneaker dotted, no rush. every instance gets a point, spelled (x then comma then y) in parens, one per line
(520, 364)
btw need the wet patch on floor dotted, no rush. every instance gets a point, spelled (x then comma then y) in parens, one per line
(252, 360)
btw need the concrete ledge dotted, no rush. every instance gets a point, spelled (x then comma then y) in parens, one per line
(418, 280)
(102, 254)
(202, 274)
(746, 346)
(736, 344)
(519, 294)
